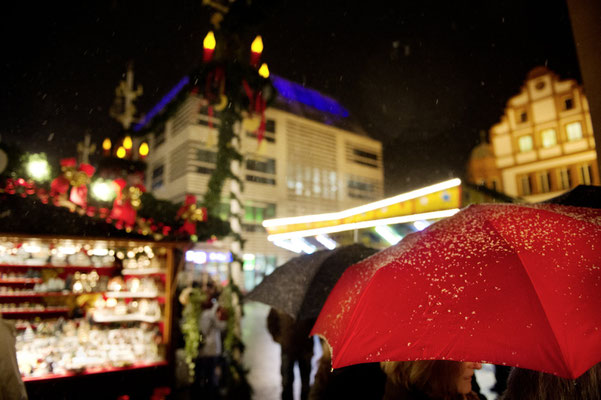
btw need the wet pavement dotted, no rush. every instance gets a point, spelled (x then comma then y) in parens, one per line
(262, 358)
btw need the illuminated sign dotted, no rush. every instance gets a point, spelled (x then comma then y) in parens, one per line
(203, 257)
(437, 201)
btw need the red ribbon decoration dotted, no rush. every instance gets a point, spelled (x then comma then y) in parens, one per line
(122, 211)
(79, 194)
(189, 226)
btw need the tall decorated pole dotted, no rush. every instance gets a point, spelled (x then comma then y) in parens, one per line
(235, 93)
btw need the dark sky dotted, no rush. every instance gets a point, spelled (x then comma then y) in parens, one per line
(423, 77)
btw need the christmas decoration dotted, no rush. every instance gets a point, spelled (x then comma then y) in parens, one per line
(191, 299)
(190, 214)
(132, 211)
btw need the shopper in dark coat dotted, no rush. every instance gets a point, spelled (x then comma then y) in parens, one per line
(297, 347)
(525, 384)
(360, 381)
(11, 384)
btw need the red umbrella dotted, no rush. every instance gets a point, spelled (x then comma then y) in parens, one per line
(498, 283)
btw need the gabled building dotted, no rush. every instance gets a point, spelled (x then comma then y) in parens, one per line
(544, 143)
(313, 159)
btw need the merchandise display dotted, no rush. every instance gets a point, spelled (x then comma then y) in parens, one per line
(86, 306)
(61, 347)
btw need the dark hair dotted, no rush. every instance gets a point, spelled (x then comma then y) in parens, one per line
(435, 378)
(528, 384)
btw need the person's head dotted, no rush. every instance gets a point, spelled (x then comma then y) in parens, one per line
(440, 379)
(528, 384)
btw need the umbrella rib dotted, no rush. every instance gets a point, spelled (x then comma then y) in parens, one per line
(535, 291)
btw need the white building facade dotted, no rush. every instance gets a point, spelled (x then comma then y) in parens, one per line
(543, 145)
(310, 161)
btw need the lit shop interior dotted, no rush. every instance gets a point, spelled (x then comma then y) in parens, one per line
(86, 306)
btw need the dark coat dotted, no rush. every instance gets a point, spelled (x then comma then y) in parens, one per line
(293, 336)
(361, 381)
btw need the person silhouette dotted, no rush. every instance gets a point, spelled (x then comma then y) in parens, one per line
(297, 347)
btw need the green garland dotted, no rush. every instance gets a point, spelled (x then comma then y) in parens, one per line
(234, 377)
(191, 329)
(226, 153)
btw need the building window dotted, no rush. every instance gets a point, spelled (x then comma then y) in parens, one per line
(260, 179)
(525, 143)
(540, 85)
(315, 182)
(585, 173)
(360, 188)
(266, 165)
(574, 131)
(270, 126)
(368, 158)
(525, 185)
(257, 213)
(568, 103)
(565, 178)
(204, 170)
(206, 156)
(549, 138)
(157, 177)
(523, 116)
(544, 181)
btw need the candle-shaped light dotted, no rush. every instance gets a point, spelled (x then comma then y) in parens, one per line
(106, 147)
(127, 145)
(264, 71)
(256, 48)
(143, 150)
(208, 45)
(121, 152)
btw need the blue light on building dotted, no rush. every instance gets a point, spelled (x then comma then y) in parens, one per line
(290, 91)
(312, 98)
(162, 103)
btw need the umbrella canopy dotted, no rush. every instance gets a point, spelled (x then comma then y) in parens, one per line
(504, 284)
(580, 196)
(300, 286)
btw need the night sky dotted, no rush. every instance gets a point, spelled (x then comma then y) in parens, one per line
(423, 77)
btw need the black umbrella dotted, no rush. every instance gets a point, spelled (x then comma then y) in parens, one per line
(580, 196)
(300, 286)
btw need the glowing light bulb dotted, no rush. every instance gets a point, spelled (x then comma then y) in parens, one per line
(127, 143)
(121, 152)
(264, 71)
(38, 168)
(106, 144)
(209, 41)
(143, 149)
(257, 45)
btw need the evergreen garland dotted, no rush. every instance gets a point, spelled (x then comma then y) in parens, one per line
(191, 329)
(226, 153)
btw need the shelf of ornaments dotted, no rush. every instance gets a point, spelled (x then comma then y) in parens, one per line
(92, 371)
(121, 295)
(57, 266)
(143, 272)
(30, 294)
(21, 281)
(126, 318)
(85, 348)
(35, 310)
